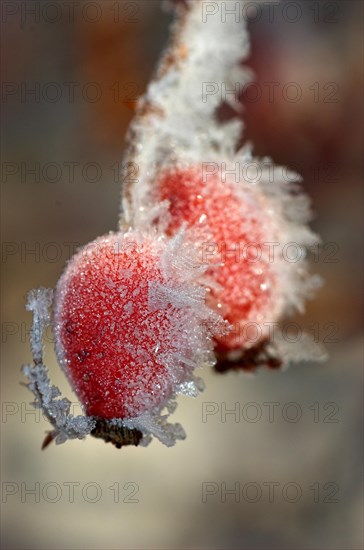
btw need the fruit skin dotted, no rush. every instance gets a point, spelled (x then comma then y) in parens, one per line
(228, 224)
(120, 338)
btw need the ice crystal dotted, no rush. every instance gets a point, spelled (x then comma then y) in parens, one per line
(48, 397)
(157, 426)
(305, 349)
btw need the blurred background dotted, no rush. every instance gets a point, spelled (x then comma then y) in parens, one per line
(285, 470)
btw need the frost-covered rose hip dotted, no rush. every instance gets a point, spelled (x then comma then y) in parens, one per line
(130, 324)
(232, 229)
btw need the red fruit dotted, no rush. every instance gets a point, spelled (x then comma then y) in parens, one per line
(125, 331)
(229, 225)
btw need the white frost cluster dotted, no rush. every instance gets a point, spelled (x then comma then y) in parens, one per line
(57, 411)
(157, 426)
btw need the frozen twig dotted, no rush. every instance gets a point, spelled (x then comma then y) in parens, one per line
(47, 397)
(174, 118)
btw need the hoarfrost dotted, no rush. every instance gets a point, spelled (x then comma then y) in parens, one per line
(158, 426)
(306, 349)
(48, 397)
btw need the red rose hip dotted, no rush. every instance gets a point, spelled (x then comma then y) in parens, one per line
(130, 324)
(229, 225)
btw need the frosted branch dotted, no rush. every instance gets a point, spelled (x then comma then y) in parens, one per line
(47, 396)
(174, 116)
